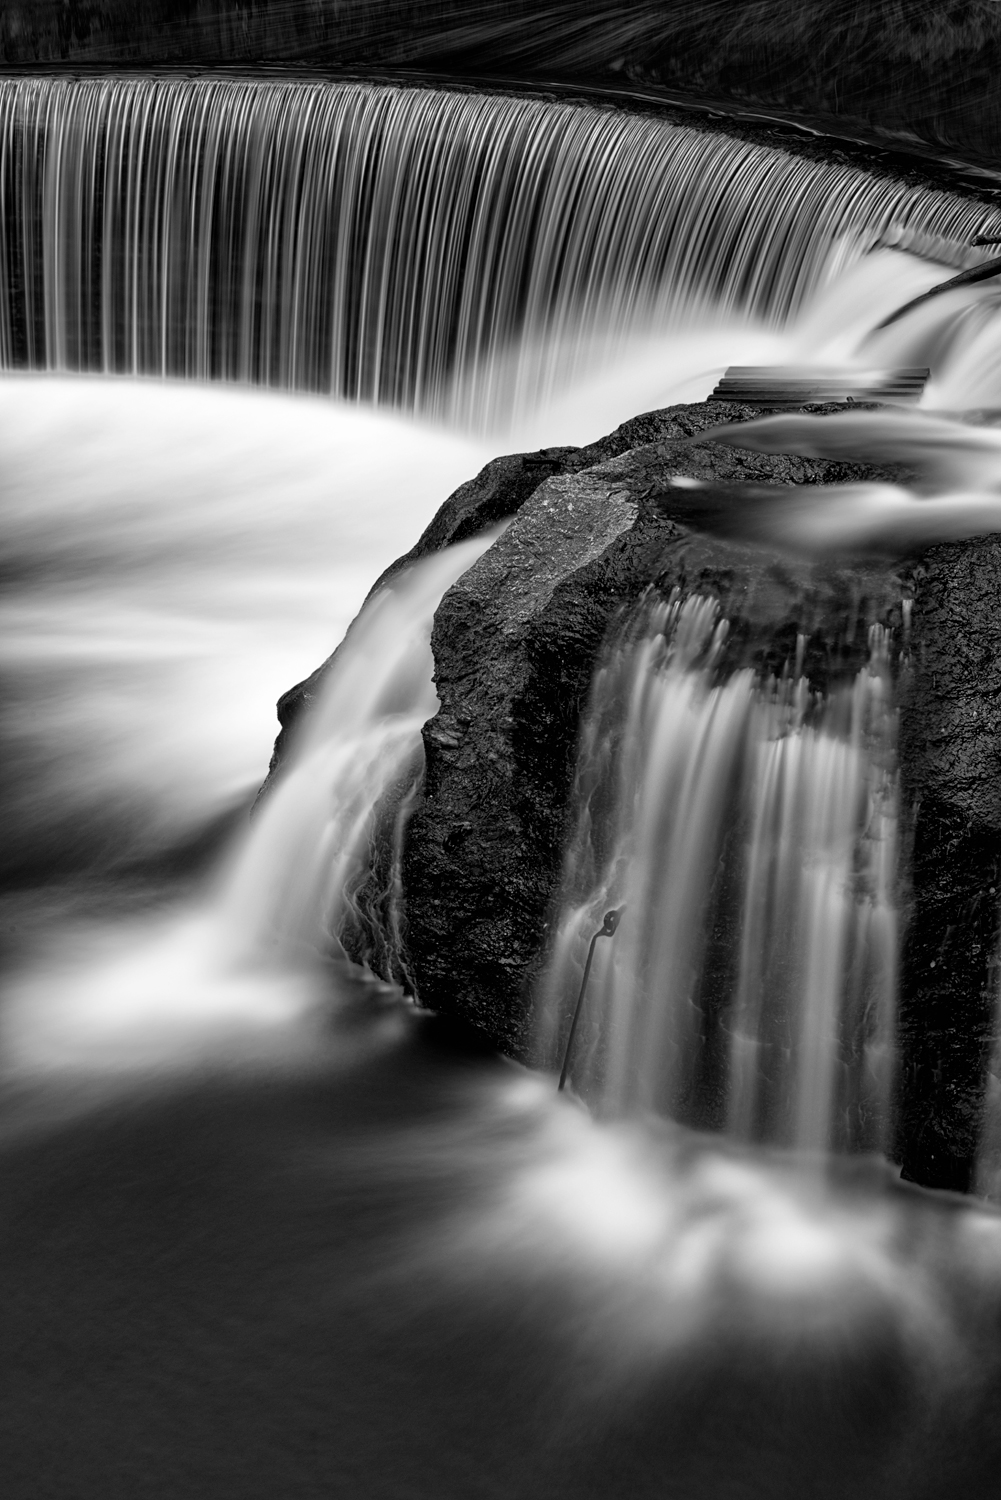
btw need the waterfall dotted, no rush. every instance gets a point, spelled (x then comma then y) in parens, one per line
(747, 828)
(291, 887)
(456, 255)
(400, 245)
(176, 555)
(253, 1200)
(248, 961)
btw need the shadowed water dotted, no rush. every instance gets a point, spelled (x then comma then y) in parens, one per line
(373, 1265)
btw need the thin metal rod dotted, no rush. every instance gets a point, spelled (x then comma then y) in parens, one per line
(607, 929)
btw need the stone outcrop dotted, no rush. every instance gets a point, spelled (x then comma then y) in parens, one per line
(515, 644)
(950, 754)
(504, 485)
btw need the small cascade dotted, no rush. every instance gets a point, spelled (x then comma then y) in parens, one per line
(175, 556)
(247, 965)
(748, 829)
(360, 754)
(444, 252)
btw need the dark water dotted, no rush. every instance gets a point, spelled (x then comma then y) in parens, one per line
(398, 1268)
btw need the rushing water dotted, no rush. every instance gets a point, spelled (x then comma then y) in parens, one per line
(747, 832)
(269, 1235)
(174, 559)
(395, 245)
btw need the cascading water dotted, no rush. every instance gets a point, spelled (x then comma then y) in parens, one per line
(748, 831)
(361, 742)
(812, 1028)
(450, 253)
(233, 1279)
(254, 950)
(175, 557)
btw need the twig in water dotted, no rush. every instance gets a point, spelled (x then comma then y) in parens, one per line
(607, 929)
(983, 272)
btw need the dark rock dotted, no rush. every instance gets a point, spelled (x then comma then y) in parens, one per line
(515, 644)
(950, 748)
(502, 487)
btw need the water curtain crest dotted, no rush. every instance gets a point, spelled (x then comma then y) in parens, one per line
(749, 829)
(428, 250)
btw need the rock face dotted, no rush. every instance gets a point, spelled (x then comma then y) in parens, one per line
(515, 644)
(504, 485)
(950, 752)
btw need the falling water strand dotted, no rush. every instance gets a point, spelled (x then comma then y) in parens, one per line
(393, 244)
(359, 757)
(750, 830)
(252, 958)
(812, 1028)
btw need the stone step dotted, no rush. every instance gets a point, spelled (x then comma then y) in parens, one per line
(779, 385)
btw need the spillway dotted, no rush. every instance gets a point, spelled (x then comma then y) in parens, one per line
(405, 246)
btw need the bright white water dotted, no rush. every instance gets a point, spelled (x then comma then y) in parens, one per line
(955, 490)
(309, 1209)
(249, 959)
(453, 253)
(747, 832)
(176, 557)
(288, 889)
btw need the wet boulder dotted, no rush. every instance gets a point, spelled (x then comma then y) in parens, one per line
(504, 485)
(516, 642)
(950, 762)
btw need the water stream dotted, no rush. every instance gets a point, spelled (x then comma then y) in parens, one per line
(458, 254)
(747, 831)
(283, 1191)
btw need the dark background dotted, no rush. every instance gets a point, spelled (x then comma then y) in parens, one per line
(901, 70)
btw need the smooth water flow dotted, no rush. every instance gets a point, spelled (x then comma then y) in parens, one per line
(451, 253)
(812, 1026)
(175, 557)
(748, 831)
(271, 1234)
(485, 260)
(953, 489)
(246, 964)
(314, 836)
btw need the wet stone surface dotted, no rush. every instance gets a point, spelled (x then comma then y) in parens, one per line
(515, 644)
